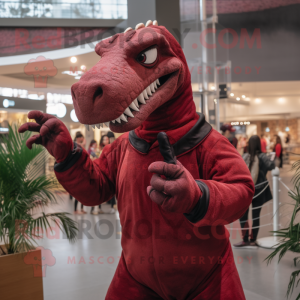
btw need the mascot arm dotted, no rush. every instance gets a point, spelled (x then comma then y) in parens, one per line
(221, 199)
(228, 193)
(89, 181)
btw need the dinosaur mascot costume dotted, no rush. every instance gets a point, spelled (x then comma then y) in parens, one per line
(177, 181)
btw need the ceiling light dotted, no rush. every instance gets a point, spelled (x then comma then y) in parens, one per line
(238, 98)
(73, 59)
(257, 100)
(58, 110)
(83, 67)
(281, 100)
(231, 94)
(73, 116)
(212, 88)
(243, 96)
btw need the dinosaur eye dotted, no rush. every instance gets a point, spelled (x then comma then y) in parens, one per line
(148, 57)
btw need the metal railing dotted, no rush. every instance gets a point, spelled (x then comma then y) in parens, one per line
(100, 9)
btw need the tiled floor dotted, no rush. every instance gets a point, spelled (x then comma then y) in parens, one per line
(84, 270)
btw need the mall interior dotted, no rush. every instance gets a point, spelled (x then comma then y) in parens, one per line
(244, 67)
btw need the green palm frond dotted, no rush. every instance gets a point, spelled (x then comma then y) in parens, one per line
(296, 168)
(292, 283)
(290, 236)
(24, 192)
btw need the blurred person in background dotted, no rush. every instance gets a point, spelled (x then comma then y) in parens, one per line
(263, 143)
(287, 138)
(92, 149)
(287, 141)
(247, 145)
(259, 164)
(80, 140)
(242, 143)
(239, 147)
(105, 140)
(111, 136)
(112, 201)
(268, 140)
(278, 151)
(227, 131)
(92, 152)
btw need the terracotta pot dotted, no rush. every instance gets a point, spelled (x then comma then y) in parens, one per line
(20, 278)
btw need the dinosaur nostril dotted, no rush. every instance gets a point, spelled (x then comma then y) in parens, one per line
(98, 93)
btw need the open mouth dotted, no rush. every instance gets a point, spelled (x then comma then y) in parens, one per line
(137, 103)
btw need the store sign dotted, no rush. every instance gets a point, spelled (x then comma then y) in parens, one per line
(4, 129)
(18, 93)
(22, 104)
(240, 123)
(59, 98)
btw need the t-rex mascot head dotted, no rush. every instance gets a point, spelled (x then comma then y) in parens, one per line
(141, 81)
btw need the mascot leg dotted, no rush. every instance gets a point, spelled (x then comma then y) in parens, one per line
(125, 287)
(225, 283)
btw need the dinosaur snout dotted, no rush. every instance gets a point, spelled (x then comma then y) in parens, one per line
(98, 99)
(79, 93)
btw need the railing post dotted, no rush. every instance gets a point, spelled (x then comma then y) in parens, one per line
(271, 241)
(275, 176)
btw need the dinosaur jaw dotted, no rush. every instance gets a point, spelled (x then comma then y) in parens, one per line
(157, 93)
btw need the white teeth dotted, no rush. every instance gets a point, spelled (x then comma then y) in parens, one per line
(122, 117)
(141, 99)
(152, 87)
(128, 112)
(136, 102)
(87, 127)
(133, 106)
(145, 95)
(148, 91)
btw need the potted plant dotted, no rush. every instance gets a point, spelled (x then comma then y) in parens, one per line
(24, 193)
(290, 236)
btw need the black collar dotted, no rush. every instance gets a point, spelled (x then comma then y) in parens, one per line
(191, 139)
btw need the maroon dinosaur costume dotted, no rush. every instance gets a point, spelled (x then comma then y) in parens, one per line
(172, 212)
